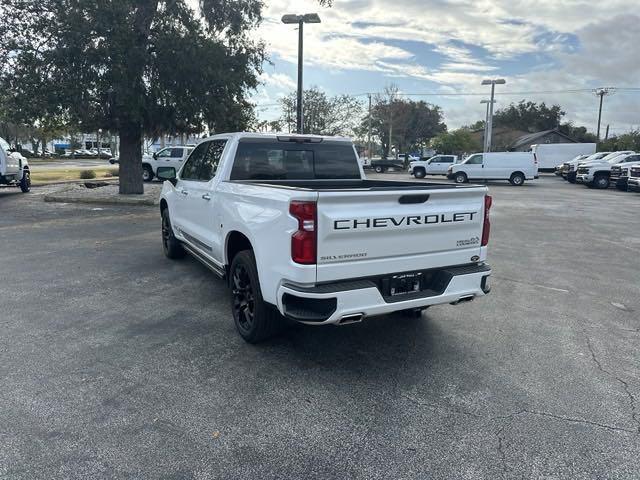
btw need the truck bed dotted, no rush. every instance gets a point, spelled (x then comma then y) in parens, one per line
(346, 185)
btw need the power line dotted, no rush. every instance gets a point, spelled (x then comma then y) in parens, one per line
(526, 92)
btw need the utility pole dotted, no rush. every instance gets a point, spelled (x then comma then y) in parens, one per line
(601, 92)
(606, 135)
(369, 130)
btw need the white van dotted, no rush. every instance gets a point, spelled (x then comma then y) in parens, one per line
(513, 166)
(550, 155)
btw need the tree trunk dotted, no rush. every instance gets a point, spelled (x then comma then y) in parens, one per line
(131, 160)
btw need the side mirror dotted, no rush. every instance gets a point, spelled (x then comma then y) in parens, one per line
(167, 173)
(155, 156)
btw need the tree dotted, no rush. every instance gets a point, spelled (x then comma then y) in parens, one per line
(529, 116)
(579, 134)
(323, 115)
(456, 142)
(403, 123)
(626, 141)
(133, 67)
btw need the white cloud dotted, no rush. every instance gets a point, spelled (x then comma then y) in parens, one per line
(373, 35)
(279, 81)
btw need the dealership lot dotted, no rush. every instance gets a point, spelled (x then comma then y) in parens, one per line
(118, 363)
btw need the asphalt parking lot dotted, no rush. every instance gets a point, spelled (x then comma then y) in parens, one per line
(117, 363)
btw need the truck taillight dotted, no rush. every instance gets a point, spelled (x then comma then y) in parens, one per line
(304, 240)
(486, 226)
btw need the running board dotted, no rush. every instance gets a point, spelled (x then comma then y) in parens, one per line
(204, 260)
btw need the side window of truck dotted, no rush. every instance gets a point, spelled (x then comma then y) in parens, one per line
(474, 160)
(210, 160)
(176, 153)
(192, 165)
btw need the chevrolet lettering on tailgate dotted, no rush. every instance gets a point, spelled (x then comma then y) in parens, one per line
(385, 222)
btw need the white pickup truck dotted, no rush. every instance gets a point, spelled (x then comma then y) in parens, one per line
(14, 168)
(297, 229)
(173, 156)
(436, 165)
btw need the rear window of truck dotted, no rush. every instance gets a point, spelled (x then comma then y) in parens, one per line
(275, 160)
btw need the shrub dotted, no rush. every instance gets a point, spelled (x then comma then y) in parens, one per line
(87, 174)
(114, 172)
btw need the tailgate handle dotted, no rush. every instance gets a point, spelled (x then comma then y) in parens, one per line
(404, 199)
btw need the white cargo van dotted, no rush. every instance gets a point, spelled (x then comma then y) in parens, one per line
(513, 166)
(550, 155)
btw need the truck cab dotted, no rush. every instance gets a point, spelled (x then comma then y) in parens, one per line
(14, 168)
(436, 165)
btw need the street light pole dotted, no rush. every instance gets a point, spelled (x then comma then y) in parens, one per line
(300, 119)
(300, 20)
(493, 83)
(486, 125)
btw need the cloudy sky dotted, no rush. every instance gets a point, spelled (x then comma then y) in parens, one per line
(449, 46)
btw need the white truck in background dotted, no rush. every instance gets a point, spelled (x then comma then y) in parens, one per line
(436, 165)
(173, 156)
(550, 155)
(14, 168)
(298, 231)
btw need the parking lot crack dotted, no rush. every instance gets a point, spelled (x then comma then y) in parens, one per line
(578, 420)
(625, 385)
(501, 452)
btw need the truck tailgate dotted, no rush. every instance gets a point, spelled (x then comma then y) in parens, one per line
(368, 233)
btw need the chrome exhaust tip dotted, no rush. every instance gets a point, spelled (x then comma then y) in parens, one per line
(468, 298)
(352, 318)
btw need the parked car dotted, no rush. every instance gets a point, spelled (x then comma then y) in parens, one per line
(516, 167)
(14, 168)
(563, 168)
(596, 174)
(381, 166)
(619, 176)
(572, 166)
(633, 184)
(297, 229)
(436, 165)
(549, 155)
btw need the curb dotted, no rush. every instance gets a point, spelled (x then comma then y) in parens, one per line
(64, 197)
(67, 182)
(53, 198)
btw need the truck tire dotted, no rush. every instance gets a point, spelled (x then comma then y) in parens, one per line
(25, 181)
(516, 179)
(379, 169)
(419, 173)
(170, 244)
(460, 177)
(601, 181)
(147, 173)
(255, 319)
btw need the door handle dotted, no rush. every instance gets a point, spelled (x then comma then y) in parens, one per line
(184, 192)
(206, 196)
